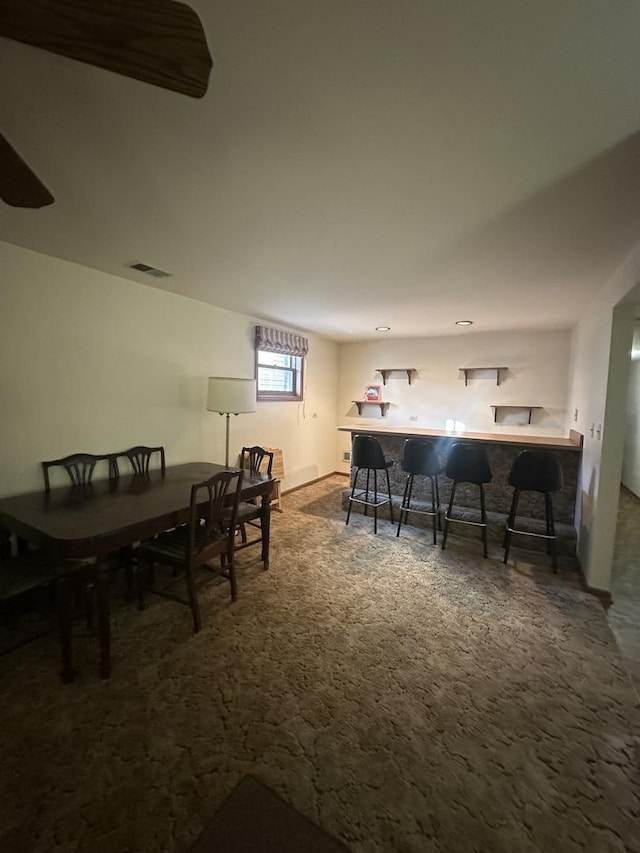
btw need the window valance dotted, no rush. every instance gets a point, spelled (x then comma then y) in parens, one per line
(285, 343)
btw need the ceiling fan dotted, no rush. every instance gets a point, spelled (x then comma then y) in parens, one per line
(157, 41)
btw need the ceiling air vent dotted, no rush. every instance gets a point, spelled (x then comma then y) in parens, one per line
(149, 270)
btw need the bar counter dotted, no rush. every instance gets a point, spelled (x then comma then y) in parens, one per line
(543, 442)
(501, 449)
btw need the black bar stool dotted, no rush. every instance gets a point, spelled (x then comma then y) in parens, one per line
(535, 471)
(419, 459)
(367, 455)
(467, 463)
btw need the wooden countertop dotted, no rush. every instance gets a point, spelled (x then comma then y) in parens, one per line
(574, 442)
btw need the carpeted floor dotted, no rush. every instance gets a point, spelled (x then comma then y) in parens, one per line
(403, 698)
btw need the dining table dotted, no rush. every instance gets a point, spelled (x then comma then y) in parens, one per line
(88, 524)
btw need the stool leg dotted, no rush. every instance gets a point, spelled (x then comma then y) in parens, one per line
(445, 532)
(406, 500)
(409, 497)
(366, 497)
(511, 519)
(548, 514)
(483, 518)
(389, 493)
(438, 502)
(375, 500)
(353, 488)
(551, 526)
(434, 509)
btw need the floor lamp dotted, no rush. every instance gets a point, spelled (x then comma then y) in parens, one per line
(229, 396)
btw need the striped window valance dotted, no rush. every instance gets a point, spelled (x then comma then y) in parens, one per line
(285, 343)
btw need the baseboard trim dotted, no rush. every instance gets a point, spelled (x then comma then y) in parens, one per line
(603, 594)
(311, 482)
(631, 492)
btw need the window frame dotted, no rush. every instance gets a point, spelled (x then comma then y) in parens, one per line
(294, 396)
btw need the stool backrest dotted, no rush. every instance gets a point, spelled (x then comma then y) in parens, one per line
(468, 463)
(366, 452)
(419, 457)
(536, 471)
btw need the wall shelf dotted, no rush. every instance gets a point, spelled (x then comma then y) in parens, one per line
(384, 407)
(386, 371)
(468, 370)
(497, 406)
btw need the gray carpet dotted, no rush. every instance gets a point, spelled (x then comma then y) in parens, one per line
(401, 697)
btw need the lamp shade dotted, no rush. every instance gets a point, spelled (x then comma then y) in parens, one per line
(231, 396)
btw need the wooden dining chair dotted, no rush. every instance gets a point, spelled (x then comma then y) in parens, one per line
(79, 467)
(193, 546)
(29, 579)
(140, 459)
(255, 460)
(21, 576)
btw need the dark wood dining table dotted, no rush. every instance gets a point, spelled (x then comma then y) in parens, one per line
(78, 523)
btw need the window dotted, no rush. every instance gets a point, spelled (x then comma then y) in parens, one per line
(279, 364)
(279, 376)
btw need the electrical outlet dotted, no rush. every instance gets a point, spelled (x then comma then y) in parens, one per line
(575, 415)
(346, 456)
(592, 429)
(599, 432)
(413, 417)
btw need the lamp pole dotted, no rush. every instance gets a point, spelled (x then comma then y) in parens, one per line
(226, 452)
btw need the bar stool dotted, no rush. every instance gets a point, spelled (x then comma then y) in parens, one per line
(535, 471)
(467, 463)
(367, 455)
(419, 459)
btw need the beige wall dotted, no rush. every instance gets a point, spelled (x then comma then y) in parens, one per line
(91, 362)
(631, 459)
(538, 374)
(599, 385)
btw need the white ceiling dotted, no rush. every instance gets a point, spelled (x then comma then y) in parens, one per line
(354, 162)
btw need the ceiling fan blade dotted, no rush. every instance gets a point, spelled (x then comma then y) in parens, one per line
(157, 41)
(19, 186)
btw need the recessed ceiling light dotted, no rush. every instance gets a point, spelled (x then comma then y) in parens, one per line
(464, 322)
(383, 328)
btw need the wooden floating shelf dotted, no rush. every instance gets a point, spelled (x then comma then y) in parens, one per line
(529, 409)
(386, 371)
(384, 407)
(468, 370)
